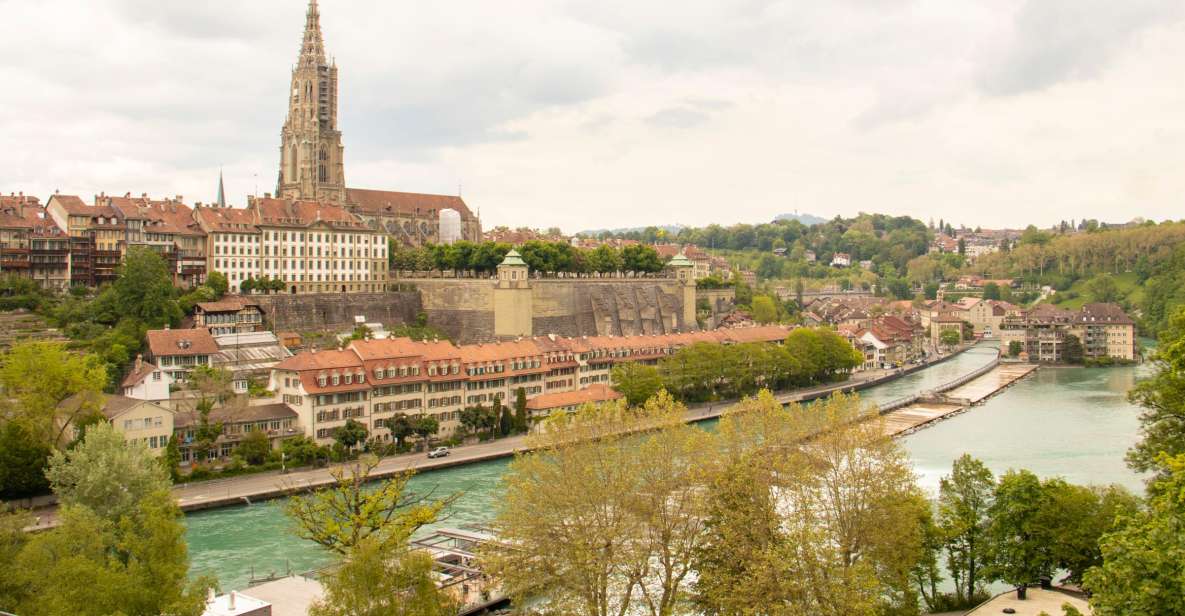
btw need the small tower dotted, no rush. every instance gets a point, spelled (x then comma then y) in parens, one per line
(682, 267)
(514, 300)
(684, 271)
(512, 269)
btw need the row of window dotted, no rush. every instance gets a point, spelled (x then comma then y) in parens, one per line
(445, 401)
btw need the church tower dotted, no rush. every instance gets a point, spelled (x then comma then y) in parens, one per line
(311, 151)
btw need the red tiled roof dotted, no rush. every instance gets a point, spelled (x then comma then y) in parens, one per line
(592, 394)
(73, 205)
(291, 213)
(226, 219)
(226, 304)
(135, 376)
(173, 342)
(390, 203)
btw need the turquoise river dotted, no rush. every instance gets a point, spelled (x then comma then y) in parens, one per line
(1069, 422)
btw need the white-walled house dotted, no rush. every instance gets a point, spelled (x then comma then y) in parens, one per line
(146, 382)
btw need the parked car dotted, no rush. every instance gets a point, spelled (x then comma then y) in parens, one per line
(439, 452)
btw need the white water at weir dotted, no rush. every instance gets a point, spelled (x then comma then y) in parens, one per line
(1073, 422)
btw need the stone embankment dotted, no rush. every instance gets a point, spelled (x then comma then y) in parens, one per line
(271, 485)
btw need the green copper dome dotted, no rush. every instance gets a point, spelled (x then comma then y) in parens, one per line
(680, 260)
(513, 258)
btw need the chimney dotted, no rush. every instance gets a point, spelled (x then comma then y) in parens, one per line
(139, 363)
(232, 600)
(210, 596)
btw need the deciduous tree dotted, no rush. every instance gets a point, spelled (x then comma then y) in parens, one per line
(382, 580)
(1144, 557)
(636, 381)
(106, 474)
(964, 499)
(339, 517)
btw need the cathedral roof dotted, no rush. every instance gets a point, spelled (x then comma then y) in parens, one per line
(290, 213)
(389, 202)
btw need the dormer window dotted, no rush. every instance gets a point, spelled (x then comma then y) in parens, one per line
(336, 379)
(361, 376)
(322, 380)
(378, 373)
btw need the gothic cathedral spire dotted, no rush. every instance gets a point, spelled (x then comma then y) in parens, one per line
(311, 151)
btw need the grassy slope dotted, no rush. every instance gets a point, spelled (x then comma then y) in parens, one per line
(1129, 290)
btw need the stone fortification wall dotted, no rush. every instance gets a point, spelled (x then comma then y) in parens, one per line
(323, 311)
(619, 308)
(462, 308)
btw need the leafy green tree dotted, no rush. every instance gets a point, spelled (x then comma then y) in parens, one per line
(1144, 556)
(1102, 288)
(350, 434)
(605, 259)
(764, 309)
(218, 284)
(106, 474)
(171, 460)
(964, 499)
(521, 422)
(1077, 517)
(1072, 352)
(13, 538)
(136, 565)
(640, 258)
(340, 516)
(1015, 348)
(637, 382)
(300, 451)
(401, 428)
(505, 418)
(1018, 550)
(378, 580)
(144, 289)
(950, 338)
(255, 447)
(427, 425)
(23, 460)
(37, 377)
(991, 290)
(1162, 397)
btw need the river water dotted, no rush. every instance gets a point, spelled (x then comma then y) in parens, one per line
(1072, 422)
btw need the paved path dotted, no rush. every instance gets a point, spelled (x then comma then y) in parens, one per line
(274, 484)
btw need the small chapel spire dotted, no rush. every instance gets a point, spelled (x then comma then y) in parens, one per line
(221, 190)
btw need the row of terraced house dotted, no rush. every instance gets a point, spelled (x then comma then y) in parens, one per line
(371, 381)
(311, 246)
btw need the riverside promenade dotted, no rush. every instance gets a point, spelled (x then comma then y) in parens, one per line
(274, 484)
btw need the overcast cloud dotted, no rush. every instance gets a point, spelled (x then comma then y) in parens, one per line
(595, 113)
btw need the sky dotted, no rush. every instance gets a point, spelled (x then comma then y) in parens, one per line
(611, 113)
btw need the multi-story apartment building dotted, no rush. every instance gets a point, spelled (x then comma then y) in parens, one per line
(179, 351)
(313, 247)
(166, 226)
(97, 238)
(232, 242)
(31, 246)
(1103, 330)
(372, 381)
(319, 247)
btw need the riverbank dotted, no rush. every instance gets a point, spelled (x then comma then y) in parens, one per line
(269, 485)
(266, 486)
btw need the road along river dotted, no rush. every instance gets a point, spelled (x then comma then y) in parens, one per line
(1059, 421)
